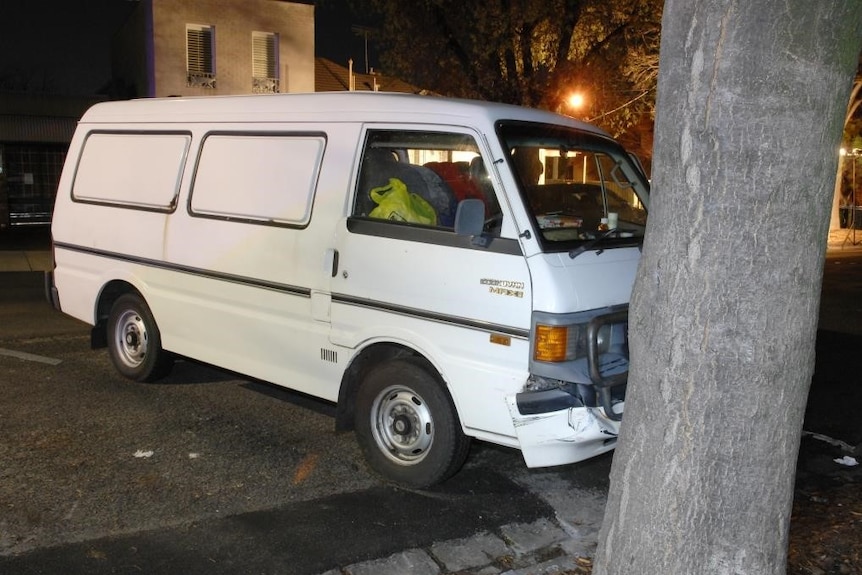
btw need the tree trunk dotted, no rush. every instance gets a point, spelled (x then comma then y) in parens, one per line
(751, 102)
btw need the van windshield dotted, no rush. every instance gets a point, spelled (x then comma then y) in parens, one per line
(577, 186)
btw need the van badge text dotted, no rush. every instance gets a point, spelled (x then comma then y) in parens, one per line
(503, 287)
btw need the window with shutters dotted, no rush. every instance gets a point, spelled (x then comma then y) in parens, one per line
(200, 56)
(264, 62)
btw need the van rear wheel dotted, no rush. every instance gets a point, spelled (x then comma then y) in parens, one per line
(134, 343)
(407, 426)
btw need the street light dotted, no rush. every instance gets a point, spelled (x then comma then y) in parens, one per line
(576, 100)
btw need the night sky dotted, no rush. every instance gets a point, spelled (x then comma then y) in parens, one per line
(64, 46)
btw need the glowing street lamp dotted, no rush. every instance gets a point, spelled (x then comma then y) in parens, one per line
(576, 101)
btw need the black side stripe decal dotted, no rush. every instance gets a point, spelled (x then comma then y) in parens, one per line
(432, 316)
(304, 292)
(233, 278)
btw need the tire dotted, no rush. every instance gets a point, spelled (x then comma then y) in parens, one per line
(134, 343)
(407, 426)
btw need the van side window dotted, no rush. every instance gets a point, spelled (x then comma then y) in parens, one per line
(265, 178)
(419, 177)
(140, 170)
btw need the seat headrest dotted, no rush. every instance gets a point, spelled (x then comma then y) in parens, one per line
(380, 156)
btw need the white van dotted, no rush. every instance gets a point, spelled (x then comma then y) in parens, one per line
(440, 269)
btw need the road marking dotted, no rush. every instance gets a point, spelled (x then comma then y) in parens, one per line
(29, 356)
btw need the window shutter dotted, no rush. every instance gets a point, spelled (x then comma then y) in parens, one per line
(199, 42)
(264, 62)
(264, 55)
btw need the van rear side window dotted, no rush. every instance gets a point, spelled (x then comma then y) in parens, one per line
(257, 178)
(131, 169)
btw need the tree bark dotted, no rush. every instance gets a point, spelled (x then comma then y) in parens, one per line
(723, 319)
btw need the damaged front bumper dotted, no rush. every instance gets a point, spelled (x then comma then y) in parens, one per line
(566, 433)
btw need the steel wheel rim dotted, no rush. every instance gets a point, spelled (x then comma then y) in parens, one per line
(131, 338)
(402, 425)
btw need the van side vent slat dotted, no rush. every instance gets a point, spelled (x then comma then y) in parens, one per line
(329, 355)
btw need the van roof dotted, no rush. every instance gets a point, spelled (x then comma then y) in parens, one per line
(321, 106)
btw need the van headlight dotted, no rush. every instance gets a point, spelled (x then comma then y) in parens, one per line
(556, 343)
(584, 354)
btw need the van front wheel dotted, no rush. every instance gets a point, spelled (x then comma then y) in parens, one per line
(407, 426)
(134, 343)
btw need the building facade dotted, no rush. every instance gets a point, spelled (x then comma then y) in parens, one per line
(214, 47)
(35, 131)
(165, 48)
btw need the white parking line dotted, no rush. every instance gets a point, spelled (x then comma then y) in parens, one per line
(29, 356)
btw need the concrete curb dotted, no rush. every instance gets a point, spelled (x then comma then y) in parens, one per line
(538, 548)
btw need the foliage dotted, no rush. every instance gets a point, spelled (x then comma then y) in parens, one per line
(848, 175)
(853, 121)
(528, 52)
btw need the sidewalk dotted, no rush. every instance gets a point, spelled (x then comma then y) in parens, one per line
(25, 261)
(25, 250)
(844, 241)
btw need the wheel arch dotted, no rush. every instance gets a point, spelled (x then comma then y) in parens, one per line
(366, 360)
(109, 294)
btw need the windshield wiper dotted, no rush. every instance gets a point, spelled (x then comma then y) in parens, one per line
(587, 246)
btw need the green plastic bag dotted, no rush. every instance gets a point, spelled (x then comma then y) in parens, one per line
(395, 202)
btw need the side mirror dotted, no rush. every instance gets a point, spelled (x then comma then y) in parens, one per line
(470, 217)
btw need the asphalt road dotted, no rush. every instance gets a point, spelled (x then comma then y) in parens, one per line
(207, 472)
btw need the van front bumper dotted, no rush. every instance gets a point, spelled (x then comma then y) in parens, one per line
(564, 432)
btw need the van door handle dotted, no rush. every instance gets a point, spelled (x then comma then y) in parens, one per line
(331, 261)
